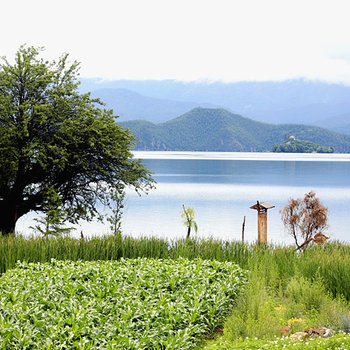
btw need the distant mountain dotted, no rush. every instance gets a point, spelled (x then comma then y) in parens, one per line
(292, 101)
(311, 114)
(204, 129)
(339, 123)
(130, 105)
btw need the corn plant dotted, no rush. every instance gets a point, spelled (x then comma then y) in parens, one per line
(126, 304)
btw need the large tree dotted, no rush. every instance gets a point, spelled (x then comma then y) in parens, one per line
(54, 139)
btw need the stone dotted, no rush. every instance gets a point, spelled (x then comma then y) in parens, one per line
(327, 332)
(298, 336)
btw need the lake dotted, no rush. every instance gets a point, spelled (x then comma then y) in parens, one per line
(222, 186)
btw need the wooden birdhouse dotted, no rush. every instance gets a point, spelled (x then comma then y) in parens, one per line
(262, 208)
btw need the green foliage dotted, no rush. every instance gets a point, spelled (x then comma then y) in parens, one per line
(292, 145)
(54, 137)
(205, 129)
(52, 224)
(313, 295)
(129, 304)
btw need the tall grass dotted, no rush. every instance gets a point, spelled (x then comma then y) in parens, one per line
(40, 249)
(331, 263)
(114, 247)
(291, 291)
(276, 264)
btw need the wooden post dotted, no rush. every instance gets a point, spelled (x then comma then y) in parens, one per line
(262, 208)
(262, 226)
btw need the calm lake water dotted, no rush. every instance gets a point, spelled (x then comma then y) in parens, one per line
(222, 186)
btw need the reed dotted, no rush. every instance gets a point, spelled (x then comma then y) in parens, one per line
(330, 263)
(277, 264)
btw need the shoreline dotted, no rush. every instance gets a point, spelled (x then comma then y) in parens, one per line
(253, 156)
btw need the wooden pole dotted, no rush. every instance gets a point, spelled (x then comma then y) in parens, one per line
(262, 226)
(243, 227)
(262, 208)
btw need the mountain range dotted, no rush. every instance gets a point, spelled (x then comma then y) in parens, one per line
(294, 101)
(216, 129)
(130, 105)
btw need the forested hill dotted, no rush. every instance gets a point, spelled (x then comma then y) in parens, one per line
(206, 129)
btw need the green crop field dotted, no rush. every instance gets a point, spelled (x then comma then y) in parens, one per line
(127, 304)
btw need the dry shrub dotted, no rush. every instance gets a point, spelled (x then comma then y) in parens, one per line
(304, 218)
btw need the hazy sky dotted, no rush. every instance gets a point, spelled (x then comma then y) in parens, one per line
(187, 39)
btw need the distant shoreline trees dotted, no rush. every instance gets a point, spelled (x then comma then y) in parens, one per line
(293, 145)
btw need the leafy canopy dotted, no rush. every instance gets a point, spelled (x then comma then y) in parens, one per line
(54, 139)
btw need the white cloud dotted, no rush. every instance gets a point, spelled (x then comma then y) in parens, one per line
(187, 40)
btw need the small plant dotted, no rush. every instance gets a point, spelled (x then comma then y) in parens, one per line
(52, 223)
(306, 297)
(305, 219)
(115, 219)
(188, 215)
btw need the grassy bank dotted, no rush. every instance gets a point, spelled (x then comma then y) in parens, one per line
(285, 290)
(276, 264)
(306, 291)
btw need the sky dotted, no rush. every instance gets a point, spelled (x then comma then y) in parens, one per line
(207, 40)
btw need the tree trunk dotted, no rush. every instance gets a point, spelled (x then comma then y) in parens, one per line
(7, 225)
(8, 218)
(188, 232)
(305, 244)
